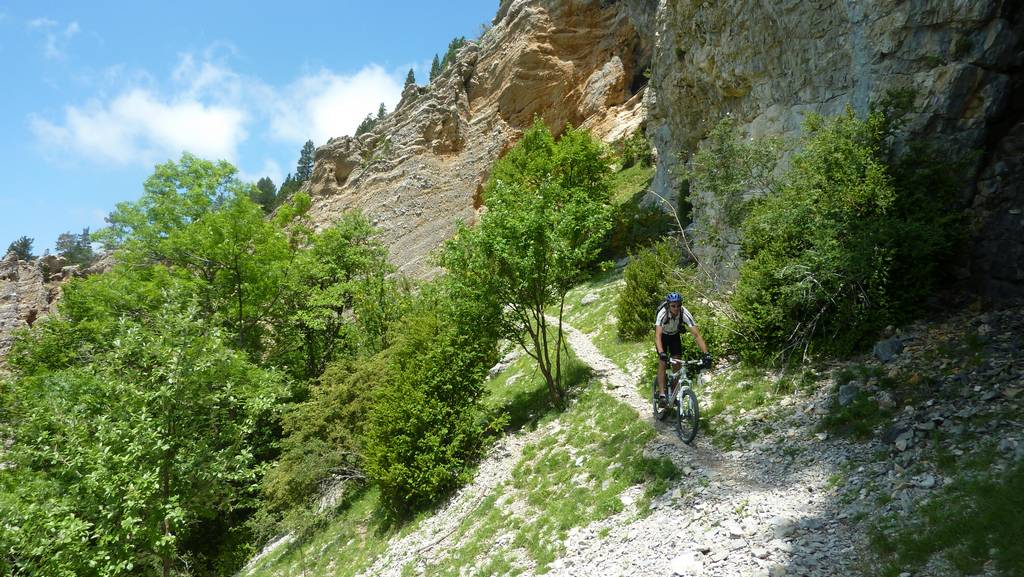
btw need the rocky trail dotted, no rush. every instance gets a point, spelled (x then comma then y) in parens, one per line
(766, 509)
(788, 498)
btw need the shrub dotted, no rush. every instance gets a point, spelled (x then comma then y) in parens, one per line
(647, 281)
(321, 447)
(636, 150)
(425, 429)
(822, 255)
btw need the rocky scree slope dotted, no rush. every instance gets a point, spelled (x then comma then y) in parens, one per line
(787, 496)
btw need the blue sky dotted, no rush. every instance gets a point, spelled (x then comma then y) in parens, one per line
(96, 93)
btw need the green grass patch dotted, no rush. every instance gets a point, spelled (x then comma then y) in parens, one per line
(972, 521)
(628, 183)
(346, 545)
(744, 389)
(565, 480)
(597, 318)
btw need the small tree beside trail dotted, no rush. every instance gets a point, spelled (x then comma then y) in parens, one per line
(547, 214)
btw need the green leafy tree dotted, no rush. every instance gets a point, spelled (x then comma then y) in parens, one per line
(547, 214)
(410, 79)
(143, 452)
(828, 256)
(435, 68)
(304, 168)
(425, 429)
(196, 218)
(382, 111)
(22, 248)
(75, 248)
(322, 290)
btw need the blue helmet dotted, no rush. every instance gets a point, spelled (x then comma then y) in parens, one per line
(674, 298)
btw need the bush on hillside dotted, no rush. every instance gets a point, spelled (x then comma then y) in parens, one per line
(647, 281)
(425, 430)
(828, 258)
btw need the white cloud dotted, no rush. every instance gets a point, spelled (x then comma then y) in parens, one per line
(56, 42)
(138, 127)
(325, 104)
(209, 109)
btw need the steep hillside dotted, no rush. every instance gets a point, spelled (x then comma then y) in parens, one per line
(766, 64)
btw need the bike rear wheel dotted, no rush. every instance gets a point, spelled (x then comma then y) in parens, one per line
(687, 415)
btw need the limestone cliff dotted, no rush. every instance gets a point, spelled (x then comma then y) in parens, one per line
(421, 170)
(27, 292)
(769, 63)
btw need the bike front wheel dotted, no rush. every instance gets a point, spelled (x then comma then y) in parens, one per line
(687, 415)
(659, 412)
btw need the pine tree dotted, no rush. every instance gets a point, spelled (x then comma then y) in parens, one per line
(75, 248)
(265, 194)
(453, 49)
(366, 125)
(22, 247)
(382, 111)
(304, 169)
(288, 188)
(410, 78)
(435, 68)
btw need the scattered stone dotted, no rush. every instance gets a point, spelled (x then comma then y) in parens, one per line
(783, 527)
(688, 563)
(847, 393)
(590, 299)
(925, 481)
(887, 350)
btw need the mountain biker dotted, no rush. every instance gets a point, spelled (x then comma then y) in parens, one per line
(667, 340)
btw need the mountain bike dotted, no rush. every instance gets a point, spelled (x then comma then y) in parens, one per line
(680, 398)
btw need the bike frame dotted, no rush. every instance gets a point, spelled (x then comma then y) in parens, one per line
(677, 381)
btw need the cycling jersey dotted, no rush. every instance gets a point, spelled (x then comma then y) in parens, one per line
(670, 325)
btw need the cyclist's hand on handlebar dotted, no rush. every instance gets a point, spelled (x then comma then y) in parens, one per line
(663, 356)
(706, 360)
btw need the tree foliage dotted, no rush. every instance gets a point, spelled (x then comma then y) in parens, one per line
(435, 68)
(828, 258)
(75, 248)
(140, 450)
(304, 168)
(22, 248)
(265, 194)
(410, 78)
(547, 214)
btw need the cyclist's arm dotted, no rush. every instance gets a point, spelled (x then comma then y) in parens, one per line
(700, 340)
(657, 339)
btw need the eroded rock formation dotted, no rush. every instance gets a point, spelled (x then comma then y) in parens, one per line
(588, 62)
(421, 170)
(28, 290)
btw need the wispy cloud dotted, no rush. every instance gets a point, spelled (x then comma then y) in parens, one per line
(140, 127)
(57, 37)
(209, 109)
(324, 104)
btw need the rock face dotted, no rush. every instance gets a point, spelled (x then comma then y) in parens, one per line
(25, 294)
(422, 169)
(677, 67)
(769, 63)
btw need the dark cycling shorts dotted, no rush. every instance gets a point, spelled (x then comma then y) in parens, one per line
(672, 345)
